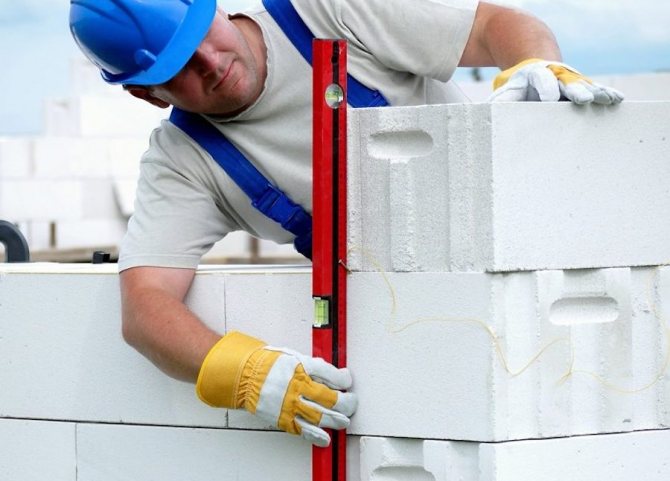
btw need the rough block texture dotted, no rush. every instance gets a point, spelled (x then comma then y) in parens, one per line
(176, 454)
(37, 451)
(507, 187)
(420, 346)
(615, 457)
(492, 357)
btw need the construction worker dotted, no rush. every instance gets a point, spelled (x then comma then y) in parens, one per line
(244, 80)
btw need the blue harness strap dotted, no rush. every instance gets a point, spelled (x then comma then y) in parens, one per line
(265, 196)
(283, 12)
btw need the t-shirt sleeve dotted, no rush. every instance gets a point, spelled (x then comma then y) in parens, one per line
(423, 37)
(176, 219)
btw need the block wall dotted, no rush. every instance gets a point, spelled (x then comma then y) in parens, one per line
(508, 187)
(69, 376)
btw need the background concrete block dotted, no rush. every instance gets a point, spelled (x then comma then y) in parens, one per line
(15, 157)
(101, 116)
(107, 452)
(236, 244)
(40, 200)
(466, 187)
(37, 450)
(70, 158)
(125, 154)
(90, 233)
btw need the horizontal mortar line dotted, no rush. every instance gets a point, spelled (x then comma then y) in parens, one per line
(218, 428)
(567, 436)
(135, 424)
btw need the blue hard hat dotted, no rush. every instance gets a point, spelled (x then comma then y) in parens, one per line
(140, 42)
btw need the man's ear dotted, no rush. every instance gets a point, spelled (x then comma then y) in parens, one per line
(145, 94)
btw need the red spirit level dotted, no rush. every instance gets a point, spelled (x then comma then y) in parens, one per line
(329, 244)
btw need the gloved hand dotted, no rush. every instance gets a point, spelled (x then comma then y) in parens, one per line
(547, 81)
(295, 393)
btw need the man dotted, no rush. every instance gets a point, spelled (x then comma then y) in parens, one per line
(249, 81)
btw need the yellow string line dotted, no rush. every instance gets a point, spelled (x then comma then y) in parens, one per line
(393, 327)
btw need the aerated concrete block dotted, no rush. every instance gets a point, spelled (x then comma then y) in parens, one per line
(508, 187)
(101, 116)
(106, 452)
(495, 357)
(97, 233)
(616, 457)
(15, 157)
(61, 329)
(450, 356)
(37, 450)
(40, 200)
(275, 307)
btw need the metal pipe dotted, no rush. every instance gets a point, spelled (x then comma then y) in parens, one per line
(16, 247)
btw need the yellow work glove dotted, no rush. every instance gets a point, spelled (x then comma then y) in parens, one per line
(295, 393)
(548, 81)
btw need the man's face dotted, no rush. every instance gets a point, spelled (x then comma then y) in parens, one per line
(225, 75)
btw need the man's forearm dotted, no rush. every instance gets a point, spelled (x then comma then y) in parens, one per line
(163, 329)
(503, 37)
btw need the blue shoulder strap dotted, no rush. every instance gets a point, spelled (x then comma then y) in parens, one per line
(265, 196)
(283, 12)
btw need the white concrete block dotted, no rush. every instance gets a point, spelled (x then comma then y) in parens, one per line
(509, 356)
(177, 454)
(617, 457)
(124, 194)
(85, 79)
(507, 187)
(90, 233)
(15, 157)
(63, 329)
(101, 200)
(37, 234)
(40, 200)
(271, 250)
(101, 116)
(275, 307)
(70, 157)
(125, 154)
(234, 245)
(58, 117)
(37, 450)
(585, 350)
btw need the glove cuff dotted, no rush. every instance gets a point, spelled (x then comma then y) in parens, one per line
(221, 372)
(502, 78)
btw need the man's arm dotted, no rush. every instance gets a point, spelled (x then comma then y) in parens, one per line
(234, 371)
(503, 37)
(526, 50)
(158, 324)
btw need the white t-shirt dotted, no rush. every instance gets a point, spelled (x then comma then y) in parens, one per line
(186, 202)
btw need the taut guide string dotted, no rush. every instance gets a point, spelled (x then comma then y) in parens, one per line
(393, 326)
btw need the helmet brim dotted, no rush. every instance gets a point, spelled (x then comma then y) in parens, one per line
(177, 52)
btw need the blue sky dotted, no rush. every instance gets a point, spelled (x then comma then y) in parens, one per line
(596, 36)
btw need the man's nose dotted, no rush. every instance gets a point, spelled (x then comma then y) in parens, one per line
(204, 60)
